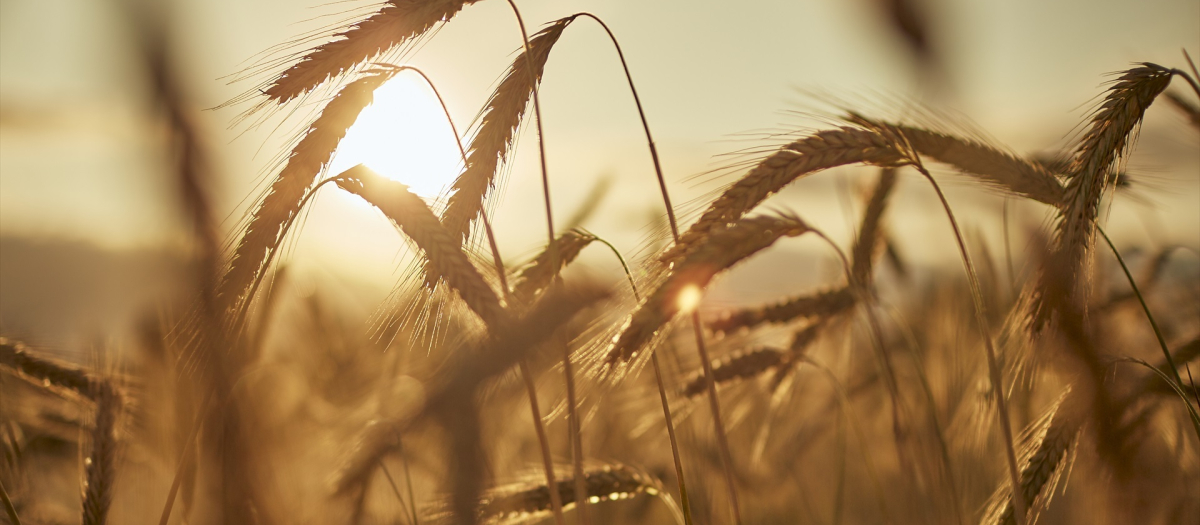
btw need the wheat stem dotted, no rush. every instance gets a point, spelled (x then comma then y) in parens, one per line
(526, 375)
(396, 490)
(671, 219)
(662, 183)
(1141, 300)
(181, 463)
(572, 410)
(662, 392)
(8, 506)
(985, 331)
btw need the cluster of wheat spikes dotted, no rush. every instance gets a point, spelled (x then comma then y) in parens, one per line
(507, 324)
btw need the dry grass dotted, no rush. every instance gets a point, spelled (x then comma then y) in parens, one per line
(870, 399)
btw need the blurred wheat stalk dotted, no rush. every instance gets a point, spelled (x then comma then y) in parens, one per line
(1054, 338)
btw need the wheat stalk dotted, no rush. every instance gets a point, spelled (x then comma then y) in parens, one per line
(525, 502)
(718, 251)
(498, 123)
(397, 22)
(815, 305)
(994, 167)
(311, 155)
(100, 466)
(739, 365)
(862, 255)
(442, 253)
(541, 271)
(1104, 145)
(1189, 109)
(821, 150)
(1044, 467)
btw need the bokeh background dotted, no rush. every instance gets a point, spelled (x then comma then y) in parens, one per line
(90, 224)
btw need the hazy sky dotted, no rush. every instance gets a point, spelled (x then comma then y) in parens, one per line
(80, 156)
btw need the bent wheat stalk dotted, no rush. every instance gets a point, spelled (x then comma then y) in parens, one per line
(1108, 139)
(662, 393)
(524, 502)
(821, 150)
(396, 23)
(815, 305)
(532, 76)
(670, 209)
(444, 255)
(719, 251)
(994, 167)
(498, 123)
(269, 223)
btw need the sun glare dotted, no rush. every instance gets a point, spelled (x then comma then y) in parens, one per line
(404, 136)
(689, 298)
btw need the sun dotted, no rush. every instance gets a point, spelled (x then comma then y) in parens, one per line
(404, 136)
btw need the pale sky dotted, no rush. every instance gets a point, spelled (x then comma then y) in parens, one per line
(80, 159)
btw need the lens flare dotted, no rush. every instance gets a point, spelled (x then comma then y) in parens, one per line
(689, 298)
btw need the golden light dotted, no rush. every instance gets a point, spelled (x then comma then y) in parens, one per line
(689, 298)
(404, 136)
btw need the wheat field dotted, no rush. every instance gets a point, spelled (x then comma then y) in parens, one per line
(1050, 381)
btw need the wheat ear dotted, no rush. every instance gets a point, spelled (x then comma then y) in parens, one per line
(311, 155)
(397, 22)
(101, 465)
(49, 373)
(1044, 467)
(541, 271)
(525, 502)
(862, 255)
(1104, 145)
(498, 123)
(719, 251)
(807, 306)
(821, 150)
(737, 366)
(442, 253)
(994, 167)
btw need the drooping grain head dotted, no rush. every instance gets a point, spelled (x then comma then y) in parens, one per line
(541, 271)
(275, 213)
(525, 502)
(821, 150)
(396, 23)
(808, 306)
(734, 367)
(498, 123)
(862, 255)
(1109, 136)
(442, 253)
(716, 252)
